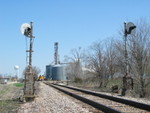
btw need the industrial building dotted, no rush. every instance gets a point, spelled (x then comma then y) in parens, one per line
(56, 71)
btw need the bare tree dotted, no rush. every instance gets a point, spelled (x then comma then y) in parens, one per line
(35, 70)
(97, 62)
(120, 56)
(138, 56)
(74, 68)
(139, 46)
(111, 57)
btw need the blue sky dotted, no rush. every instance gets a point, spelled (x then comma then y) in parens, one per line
(72, 23)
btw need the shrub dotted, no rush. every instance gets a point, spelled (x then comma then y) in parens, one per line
(78, 80)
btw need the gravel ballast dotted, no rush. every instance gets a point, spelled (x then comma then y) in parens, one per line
(49, 100)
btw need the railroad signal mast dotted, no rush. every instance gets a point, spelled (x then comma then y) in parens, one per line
(27, 30)
(129, 29)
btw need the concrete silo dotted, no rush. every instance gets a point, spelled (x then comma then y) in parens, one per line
(49, 72)
(58, 72)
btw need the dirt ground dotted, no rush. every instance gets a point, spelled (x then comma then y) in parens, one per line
(9, 94)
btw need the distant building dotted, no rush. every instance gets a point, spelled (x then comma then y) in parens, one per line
(4, 80)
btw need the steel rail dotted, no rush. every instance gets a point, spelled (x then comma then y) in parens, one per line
(116, 99)
(94, 104)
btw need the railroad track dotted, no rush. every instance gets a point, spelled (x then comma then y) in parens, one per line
(103, 102)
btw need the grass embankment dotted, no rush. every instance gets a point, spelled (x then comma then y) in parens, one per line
(18, 84)
(8, 97)
(94, 83)
(113, 82)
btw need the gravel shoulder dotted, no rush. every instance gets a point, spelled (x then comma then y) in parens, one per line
(50, 100)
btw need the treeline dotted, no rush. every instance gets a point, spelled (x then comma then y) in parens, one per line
(104, 59)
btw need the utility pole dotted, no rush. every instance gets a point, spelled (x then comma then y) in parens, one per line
(27, 30)
(126, 52)
(127, 80)
(31, 45)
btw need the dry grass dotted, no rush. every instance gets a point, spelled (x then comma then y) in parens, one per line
(9, 94)
(8, 106)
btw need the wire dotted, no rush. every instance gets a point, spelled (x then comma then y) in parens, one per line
(32, 41)
(27, 56)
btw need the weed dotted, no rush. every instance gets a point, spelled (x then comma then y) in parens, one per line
(78, 80)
